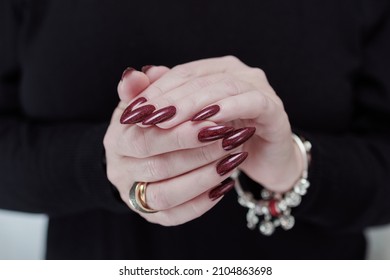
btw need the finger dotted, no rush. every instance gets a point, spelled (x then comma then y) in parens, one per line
(142, 143)
(133, 82)
(175, 191)
(169, 165)
(183, 73)
(190, 98)
(249, 105)
(183, 213)
(154, 72)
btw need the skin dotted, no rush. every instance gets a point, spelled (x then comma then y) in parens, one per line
(182, 170)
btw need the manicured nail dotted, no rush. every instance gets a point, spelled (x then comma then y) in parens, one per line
(160, 115)
(230, 162)
(221, 189)
(146, 68)
(130, 107)
(237, 137)
(212, 133)
(206, 113)
(135, 103)
(137, 115)
(127, 71)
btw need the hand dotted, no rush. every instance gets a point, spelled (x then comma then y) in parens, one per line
(182, 171)
(245, 99)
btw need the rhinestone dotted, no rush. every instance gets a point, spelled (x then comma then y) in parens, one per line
(267, 228)
(266, 194)
(251, 216)
(287, 222)
(242, 201)
(292, 199)
(260, 206)
(303, 183)
(307, 145)
(300, 190)
(247, 196)
(282, 205)
(265, 210)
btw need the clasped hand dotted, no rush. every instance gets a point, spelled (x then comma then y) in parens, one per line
(185, 130)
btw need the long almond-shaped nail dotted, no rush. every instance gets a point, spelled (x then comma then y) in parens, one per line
(237, 137)
(160, 115)
(230, 162)
(135, 103)
(206, 113)
(137, 115)
(221, 189)
(130, 107)
(212, 133)
(126, 72)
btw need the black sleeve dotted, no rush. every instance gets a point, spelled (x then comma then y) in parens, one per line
(45, 168)
(350, 171)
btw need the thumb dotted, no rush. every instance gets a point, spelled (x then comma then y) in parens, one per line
(133, 82)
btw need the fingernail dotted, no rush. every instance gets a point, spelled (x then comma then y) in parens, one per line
(137, 115)
(212, 133)
(206, 113)
(221, 189)
(237, 137)
(230, 162)
(127, 71)
(135, 103)
(130, 107)
(146, 68)
(160, 115)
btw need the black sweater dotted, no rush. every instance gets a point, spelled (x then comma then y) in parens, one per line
(60, 62)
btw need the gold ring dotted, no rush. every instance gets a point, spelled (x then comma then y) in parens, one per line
(137, 197)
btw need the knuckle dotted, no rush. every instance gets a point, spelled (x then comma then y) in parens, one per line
(182, 71)
(178, 140)
(205, 154)
(200, 83)
(231, 86)
(232, 59)
(258, 73)
(139, 146)
(155, 170)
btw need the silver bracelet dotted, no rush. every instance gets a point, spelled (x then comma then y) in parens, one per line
(275, 208)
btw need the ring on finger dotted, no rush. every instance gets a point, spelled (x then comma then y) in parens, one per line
(137, 198)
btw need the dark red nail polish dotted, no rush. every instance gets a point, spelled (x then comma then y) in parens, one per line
(237, 137)
(146, 68)
(127, 71)
(137, 115)
(160, 115)
(206, 113)
(135, 103)
(130, 107)
(212, 133)
(230, 162)
(221, 189)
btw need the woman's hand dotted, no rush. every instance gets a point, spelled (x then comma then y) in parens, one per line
(236, 95)
(183, 165)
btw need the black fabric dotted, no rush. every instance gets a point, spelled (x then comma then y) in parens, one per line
(60, 62)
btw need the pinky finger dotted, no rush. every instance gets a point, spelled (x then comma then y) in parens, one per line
(252, 105)
(192, 209)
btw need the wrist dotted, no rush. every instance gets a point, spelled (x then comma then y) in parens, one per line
(275, 207)
(286, 171)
